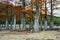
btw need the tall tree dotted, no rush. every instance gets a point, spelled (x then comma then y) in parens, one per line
(36, 17)
(23, 23)
(31, 21)
(11, 19)
(14, 28)
(51, 18)
(40, 20)
(7, 16)
(45, 18)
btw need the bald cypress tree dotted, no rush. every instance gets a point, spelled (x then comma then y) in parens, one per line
(45, 18)
(14, 27)
(36, 17)
(7, 16)
(51, 18)
(23, 23)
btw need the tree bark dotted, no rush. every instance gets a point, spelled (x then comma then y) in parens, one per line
(7, 16)
(7, 22)
(14, 28)
(45, 19)
(23, 24)
(51, 18)
(36, 18)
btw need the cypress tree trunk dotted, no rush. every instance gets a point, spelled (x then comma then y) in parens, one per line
(11, 24)
(31, 26)
(51, 18)
(31, 22)
(45, 19)
(7, 16)
(6, 22)
(19, 27)
(23, 23)
(14, 27)
(19, 24)
(36, 18)
(45, 24)
(40, 20)
(11, 20)
(36, 25)
(41, 24)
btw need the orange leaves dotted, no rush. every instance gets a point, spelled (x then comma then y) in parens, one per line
(45, 9)
(40, 1)
(27, 15)
(10, 6)
(27, 11)
(18, 9)
(0, 4)
(24, 11)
